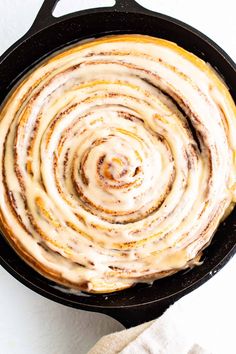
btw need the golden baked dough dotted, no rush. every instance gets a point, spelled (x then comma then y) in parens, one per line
(117, 162)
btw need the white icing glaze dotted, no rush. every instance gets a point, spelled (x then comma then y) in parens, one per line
(102, 181)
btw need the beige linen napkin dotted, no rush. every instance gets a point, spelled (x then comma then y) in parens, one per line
(169, 334)
(202, 322)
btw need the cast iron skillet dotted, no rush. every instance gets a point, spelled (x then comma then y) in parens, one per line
(142, 302)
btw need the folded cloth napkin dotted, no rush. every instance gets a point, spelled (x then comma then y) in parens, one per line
(167, 335)
(202, 322)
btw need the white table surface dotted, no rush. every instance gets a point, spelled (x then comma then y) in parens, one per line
(31, 324)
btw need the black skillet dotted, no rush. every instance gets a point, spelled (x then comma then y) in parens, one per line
(47, 34)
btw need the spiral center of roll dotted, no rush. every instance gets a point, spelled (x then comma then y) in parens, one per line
(118, 168)
(114, 168)
(125, 171)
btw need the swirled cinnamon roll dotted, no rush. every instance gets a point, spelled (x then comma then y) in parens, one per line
(117, 162)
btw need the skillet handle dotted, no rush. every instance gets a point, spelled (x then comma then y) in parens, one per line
(136, 315)
(45, 17)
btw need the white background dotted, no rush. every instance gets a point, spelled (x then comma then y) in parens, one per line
(30, 324)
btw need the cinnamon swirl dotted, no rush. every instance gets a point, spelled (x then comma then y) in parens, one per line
(117, 162)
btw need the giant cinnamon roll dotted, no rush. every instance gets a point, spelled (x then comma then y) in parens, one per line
(117, 162)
